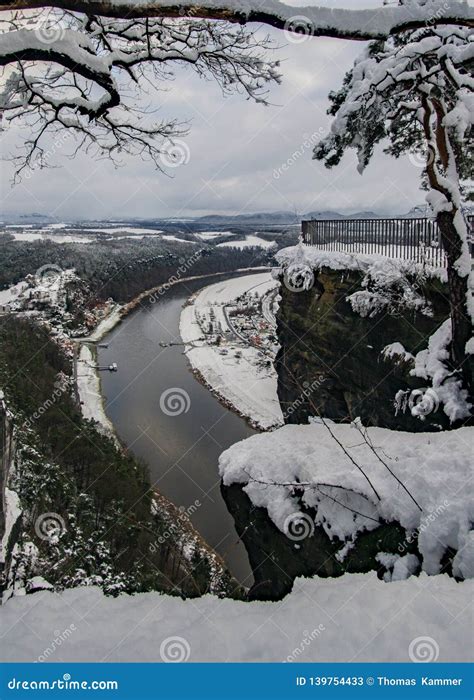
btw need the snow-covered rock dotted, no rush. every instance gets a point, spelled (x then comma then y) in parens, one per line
(354, 478)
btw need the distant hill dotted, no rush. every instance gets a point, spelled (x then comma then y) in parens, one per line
(258, 219)
(289, 217)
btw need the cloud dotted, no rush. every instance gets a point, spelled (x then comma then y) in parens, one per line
(235, 148)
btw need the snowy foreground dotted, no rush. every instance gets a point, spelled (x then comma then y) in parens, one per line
(232, 369)
(354, 479)
(352, 618)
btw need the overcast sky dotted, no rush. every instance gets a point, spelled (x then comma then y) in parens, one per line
(236, 152)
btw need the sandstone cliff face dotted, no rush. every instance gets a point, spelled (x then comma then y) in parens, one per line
(331, 361)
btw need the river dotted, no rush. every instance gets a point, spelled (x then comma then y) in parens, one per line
(180, 450)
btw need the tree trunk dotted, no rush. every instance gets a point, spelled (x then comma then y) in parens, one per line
(440, 150)
(458, 294)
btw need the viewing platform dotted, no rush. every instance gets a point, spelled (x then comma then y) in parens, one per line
(416, 239)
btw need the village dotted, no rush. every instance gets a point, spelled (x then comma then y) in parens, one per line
(229, 332)
(248, 320)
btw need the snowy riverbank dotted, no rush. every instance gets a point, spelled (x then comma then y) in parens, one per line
(352, 618)
(89, 391)
(228, 365)
(88, 379)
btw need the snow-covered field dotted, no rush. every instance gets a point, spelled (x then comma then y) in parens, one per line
(210, 235)
(356, 478)
(352, 618)
(43, 235)
(134, 231)
(239, 381)
(177, 240)
(248, 242)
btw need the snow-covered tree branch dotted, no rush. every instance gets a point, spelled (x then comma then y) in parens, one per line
(362, 24)
(85, 75)
(417, 90)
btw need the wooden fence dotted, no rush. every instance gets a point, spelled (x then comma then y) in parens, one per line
(409, 239)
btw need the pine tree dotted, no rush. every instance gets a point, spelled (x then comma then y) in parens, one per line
(416, 90)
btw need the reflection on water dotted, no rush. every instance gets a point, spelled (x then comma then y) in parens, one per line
(170, 420)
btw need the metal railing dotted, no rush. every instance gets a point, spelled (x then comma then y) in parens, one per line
(409, 239)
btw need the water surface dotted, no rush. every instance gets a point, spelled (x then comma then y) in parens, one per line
(181, 450)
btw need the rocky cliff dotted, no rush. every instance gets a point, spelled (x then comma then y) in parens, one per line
(332, 362)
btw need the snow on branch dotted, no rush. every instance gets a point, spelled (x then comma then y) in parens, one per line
(362, 24)
(86, 76)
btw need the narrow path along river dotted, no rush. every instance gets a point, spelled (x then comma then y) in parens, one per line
(180, 450)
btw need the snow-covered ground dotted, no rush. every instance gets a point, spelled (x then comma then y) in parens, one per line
(352, 618)
(248, 242)
(177, 240)
(134, 231)
(210, 235)
(12, 293)
(88, 386)
(430, 254)
(239, 381)
(300, 257)
(355, 478)
(43, 235)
